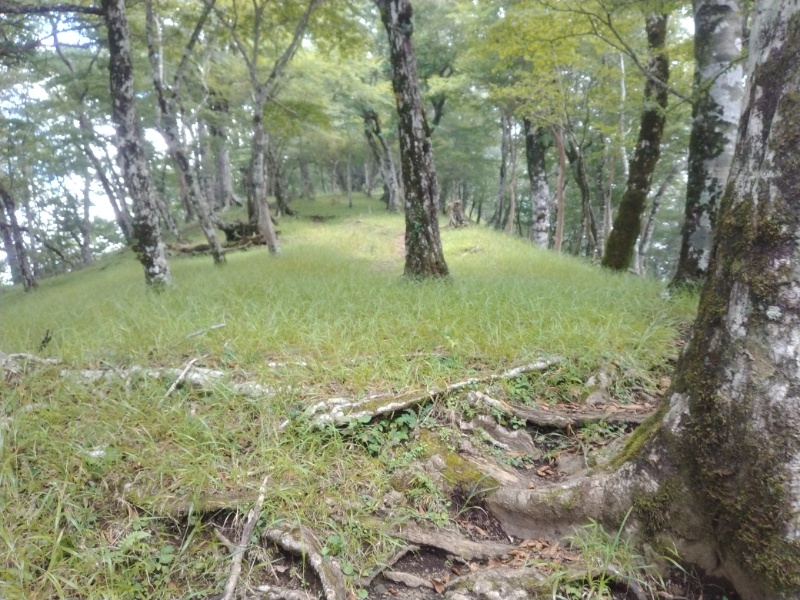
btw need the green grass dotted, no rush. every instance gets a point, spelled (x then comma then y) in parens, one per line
(74, 457)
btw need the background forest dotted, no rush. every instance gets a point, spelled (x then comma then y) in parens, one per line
(526, 102)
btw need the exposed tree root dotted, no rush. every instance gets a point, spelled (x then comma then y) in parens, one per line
(274, 592)
(301, 540)
(452, 543)
(366, 581)
(341, 411)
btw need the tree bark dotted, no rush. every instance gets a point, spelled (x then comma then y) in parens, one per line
(718, 82)
(424, 257)
(500, 202)
(535, 149)
(8, 247)
(149, 246)
(627, 224)
(20, 254)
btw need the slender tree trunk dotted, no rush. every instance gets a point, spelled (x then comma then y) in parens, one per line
(383, 156)
(149, 246)
(578, 162)
(85, 225)
(718, 82)
(168, 127)
(265, 226)
(424, 257)
(307, 184)
(558, 136)
(218, 129)
(627, 224)
(499, 207)
(512, 183)
(535, 149)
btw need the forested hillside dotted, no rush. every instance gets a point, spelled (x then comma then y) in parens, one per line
(419, 279)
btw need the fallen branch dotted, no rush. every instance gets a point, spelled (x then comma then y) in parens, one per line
(180, 378)
(32, 358)
(341, 411)
(206, 330)
(244, 540)
(200, 377)
(301, 541)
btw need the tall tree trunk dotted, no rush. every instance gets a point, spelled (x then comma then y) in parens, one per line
(26, 274)
(424, 257)
(535, 149)
(307, 184)
(734, 402)
(275, 163)
(149, 246)
(718, 82)
(627, 224)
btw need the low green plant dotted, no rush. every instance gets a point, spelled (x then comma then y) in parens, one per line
(608, 560)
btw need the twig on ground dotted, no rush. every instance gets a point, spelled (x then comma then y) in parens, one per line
(225, 541)
(244, 540)
(302, 541)
(206, 330)
(180, 378)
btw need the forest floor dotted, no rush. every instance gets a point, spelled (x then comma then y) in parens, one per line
(314, 426)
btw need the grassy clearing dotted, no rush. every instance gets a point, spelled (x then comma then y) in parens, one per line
(335, 310)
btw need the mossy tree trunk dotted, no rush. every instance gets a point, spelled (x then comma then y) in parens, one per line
(148, 245)
(718, 82)
(424, 256)
(627, 224)
(734, 412)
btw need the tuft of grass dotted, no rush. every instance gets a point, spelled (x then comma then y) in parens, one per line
(110, 489)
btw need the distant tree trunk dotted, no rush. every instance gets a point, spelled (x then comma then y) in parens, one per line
(512, 183)
(627, 224)
(643, 245)
(535, 149)
(499, 207)
(578, 162)
(383, 156)
(307, 184)
(218, 128)
(275, 162)
(25, 268)
(718, 82)
(168, 127)
(85, 224)
(424, 257)
(264, 219)
(558, 136)
(149, 246)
